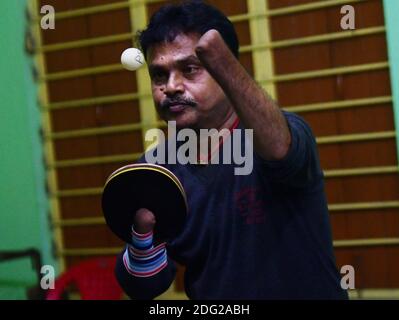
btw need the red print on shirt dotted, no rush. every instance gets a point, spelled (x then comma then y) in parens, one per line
(250, 205)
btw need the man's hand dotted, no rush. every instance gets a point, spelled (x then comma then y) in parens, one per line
(144, 221)
(254, 107)
(210, 44)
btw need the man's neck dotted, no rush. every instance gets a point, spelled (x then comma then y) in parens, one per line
(229, 121)
(208, 147)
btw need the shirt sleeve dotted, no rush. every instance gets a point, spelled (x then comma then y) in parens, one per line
(301, 166)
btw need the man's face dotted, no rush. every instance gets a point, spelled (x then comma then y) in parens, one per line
(182, 89)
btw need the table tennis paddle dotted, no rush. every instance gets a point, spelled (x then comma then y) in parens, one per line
(149, 186)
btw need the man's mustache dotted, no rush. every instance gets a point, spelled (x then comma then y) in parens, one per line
(168, 102)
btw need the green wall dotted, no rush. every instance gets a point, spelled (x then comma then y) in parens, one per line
(23, 202)
(391, 12)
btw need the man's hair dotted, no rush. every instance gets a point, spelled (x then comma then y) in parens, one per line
(194, 16)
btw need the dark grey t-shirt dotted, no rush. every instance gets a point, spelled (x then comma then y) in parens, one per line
(265, 235)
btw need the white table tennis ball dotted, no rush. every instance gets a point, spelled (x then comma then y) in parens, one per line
(132, 59)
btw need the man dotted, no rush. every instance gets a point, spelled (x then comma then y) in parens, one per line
(265, 235)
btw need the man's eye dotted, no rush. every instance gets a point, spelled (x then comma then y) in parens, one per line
(190, 70)
(158, 77)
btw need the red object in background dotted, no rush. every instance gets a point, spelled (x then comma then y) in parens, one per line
(93, 278)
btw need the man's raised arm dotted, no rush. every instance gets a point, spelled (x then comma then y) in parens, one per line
(254, 107)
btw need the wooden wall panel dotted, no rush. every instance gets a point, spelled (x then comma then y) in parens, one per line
(366, 85)
(102, 115)
(89, 176)
(361, 50)
(71, 89)
(86, 27)
(375, 267)
(86, 57)
(67, 5)
(118, 113)
(91, 86)
(80, 206)
(75, 58)
(90, 237)
(87, 147)
(336, 54)
(67, 30)
(108, 25)
(326, 89)
(276, 4)
(357, 155)
(84, 147)
(365, 224)
(369, 188)
(375, 118)
(74, 118)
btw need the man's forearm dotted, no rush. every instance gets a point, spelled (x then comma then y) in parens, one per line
(254, 107)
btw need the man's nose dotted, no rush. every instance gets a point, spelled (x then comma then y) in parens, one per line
(175, 85)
